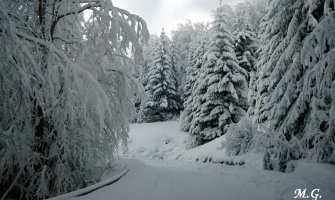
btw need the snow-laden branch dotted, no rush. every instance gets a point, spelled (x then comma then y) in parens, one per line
(125, 12)
(49, 45)
(80, 10)
(97, 4)
(53, 79)
(65, 40)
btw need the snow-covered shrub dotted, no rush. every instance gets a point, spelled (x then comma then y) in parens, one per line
(244, 137)
(279, 154)
(239, 137)
(150, 112)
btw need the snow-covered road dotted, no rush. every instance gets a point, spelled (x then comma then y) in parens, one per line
(155, 181)
(161, 167)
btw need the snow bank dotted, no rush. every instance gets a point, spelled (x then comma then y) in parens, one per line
(165, 140)
(213, 152)
(160, 140)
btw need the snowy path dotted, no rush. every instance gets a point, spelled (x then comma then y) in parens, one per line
(154, 181)
(168, 171)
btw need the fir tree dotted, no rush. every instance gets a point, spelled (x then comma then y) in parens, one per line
(192, 74)
(254, 75)
(177, 69)
(221, 87)
(296, 79)
(163, 102)
(245, 49)
(183, 39)
(272, 45)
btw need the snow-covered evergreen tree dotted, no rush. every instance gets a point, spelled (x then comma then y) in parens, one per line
(192, 73)
(254, 75)
(176, 66)
(273, 42)
(148, 50)
(184, 38)
(221, 90)
(295, 60)
(245, 50)
(163, 102)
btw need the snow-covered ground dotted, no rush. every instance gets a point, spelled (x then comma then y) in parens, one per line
(160, 140)
(164, 140)
(154, 181)
(161, 167)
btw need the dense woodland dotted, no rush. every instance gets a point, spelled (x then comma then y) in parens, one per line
(262, 73)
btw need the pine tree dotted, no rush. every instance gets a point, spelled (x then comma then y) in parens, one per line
(163, 102)
(175, 58)
(192, 73)
(296, 70)
(148, 50)
(183, 39)
(245, 49)
(254, 75)
(176, 67)
(272, 45)
(221, 87)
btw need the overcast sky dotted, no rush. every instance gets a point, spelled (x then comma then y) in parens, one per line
(168, 14)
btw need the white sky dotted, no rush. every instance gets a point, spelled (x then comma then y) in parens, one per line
(168, 14)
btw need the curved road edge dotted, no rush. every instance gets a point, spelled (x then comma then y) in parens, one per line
(92, 188)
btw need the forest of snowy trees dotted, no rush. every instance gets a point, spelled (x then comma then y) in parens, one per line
(262, 73)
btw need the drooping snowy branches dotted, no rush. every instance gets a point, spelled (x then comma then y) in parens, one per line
(62, 110)
(295, 79)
